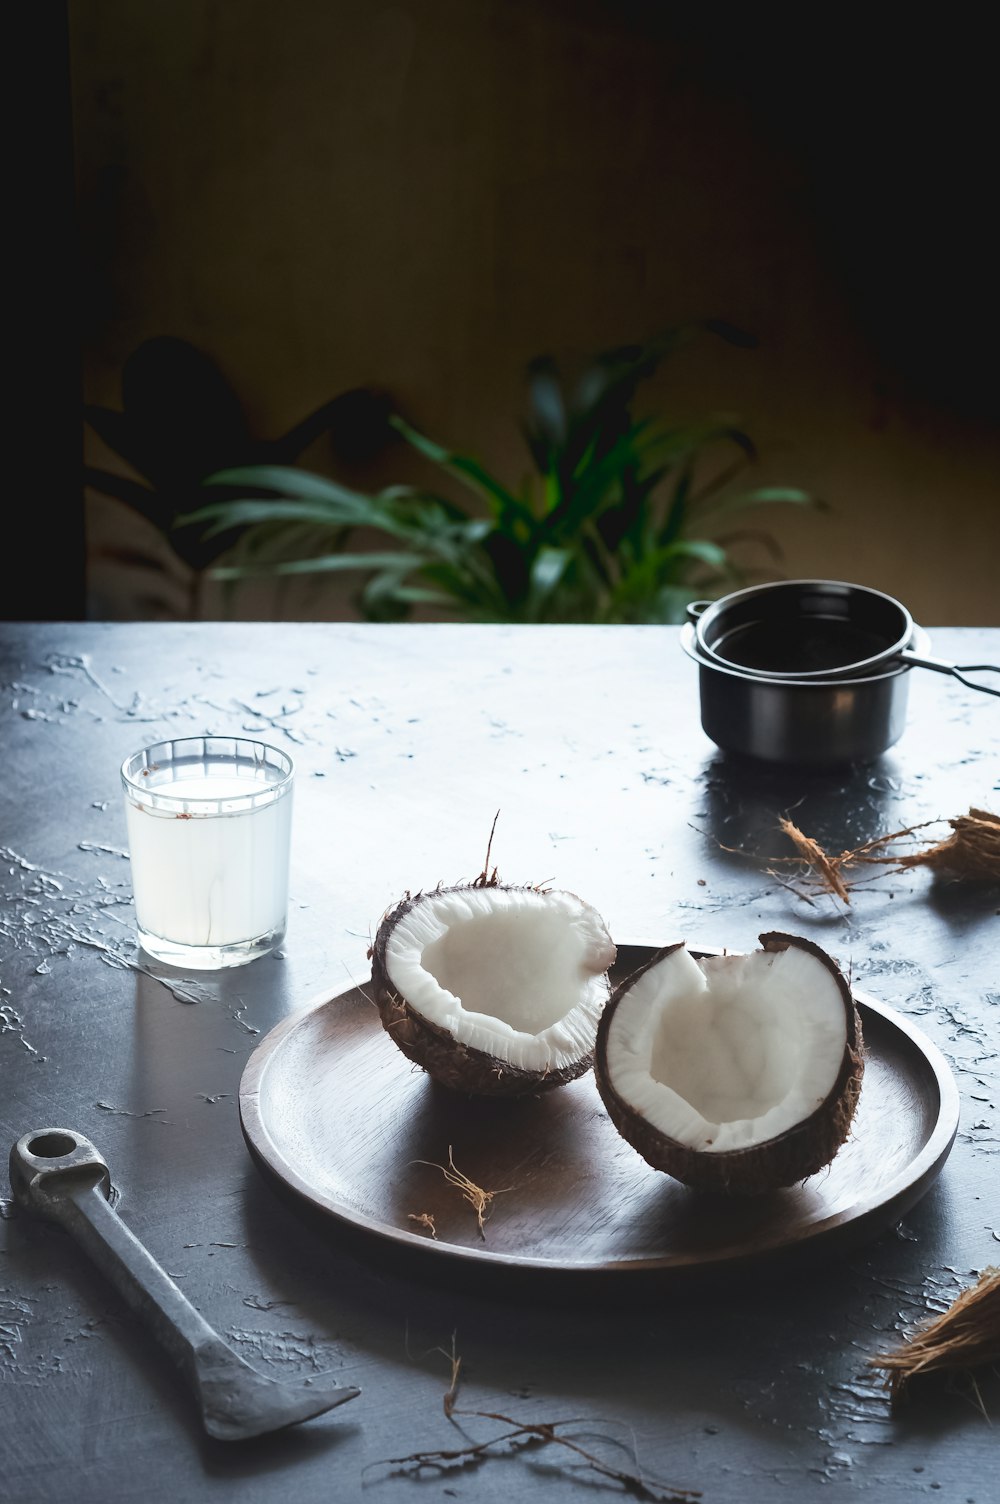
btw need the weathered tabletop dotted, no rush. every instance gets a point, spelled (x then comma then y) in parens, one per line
(408, 741)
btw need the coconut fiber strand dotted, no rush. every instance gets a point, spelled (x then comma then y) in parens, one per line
(972, 850)
(965, 1337)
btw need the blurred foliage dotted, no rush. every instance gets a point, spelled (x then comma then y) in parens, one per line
(612, 523)
(616, 520)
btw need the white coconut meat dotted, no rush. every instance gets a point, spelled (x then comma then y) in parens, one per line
(726, 1052)
(517, 974)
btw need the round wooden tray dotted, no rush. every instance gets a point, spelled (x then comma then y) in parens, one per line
(332, 1109)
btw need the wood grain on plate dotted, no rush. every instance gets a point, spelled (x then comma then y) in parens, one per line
(332, 1109)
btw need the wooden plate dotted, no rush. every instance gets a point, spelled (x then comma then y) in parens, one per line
(333, 1112)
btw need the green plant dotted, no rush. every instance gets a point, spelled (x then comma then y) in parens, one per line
(612, 524)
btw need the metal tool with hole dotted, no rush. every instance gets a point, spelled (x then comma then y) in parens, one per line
(58, 1174)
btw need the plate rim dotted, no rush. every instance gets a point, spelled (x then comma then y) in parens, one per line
(906, 1188)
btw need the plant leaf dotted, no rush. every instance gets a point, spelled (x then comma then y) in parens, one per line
(401, 513)
(505, 505)
(252, 512)
(287, 481)
(547, 431)
(640, 586)
(762, 496)
(548, 571)
(320, 564)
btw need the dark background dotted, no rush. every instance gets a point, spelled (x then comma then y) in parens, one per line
(883, 140)
(895, 124)
(44, 534)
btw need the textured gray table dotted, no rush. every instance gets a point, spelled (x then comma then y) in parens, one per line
(407, 742)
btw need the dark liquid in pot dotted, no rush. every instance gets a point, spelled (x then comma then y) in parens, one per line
(807, 645)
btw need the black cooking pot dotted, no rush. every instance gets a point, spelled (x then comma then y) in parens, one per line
(808, 723)
(811, 673)
(816, 629)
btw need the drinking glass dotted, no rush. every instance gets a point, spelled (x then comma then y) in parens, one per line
(209, 822)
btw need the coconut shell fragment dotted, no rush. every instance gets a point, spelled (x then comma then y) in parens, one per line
(737, 1074)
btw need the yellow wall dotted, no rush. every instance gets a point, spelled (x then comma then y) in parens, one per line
(422, 195)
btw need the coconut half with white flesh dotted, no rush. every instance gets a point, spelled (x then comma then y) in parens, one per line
(733, 1073)
(494, 990)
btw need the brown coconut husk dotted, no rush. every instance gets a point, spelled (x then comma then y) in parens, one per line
(966, 1337)
(971, 851)
(826, 867)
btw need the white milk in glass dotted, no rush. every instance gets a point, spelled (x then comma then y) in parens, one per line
(209, 849)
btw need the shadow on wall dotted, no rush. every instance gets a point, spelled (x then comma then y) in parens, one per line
(180, 421)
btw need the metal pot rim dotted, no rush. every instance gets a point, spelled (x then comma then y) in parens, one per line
(702, 612)
(919, 641)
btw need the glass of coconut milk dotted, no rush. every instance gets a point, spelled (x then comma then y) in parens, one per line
(209, 822)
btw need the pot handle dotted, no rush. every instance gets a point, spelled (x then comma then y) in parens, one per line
(695, 609)
(957, 670)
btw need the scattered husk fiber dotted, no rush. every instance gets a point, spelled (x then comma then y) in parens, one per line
(812, 853)
(522, 1435)
(972, 850)
(971, 853)
(965, 1337)
(474, 1194)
